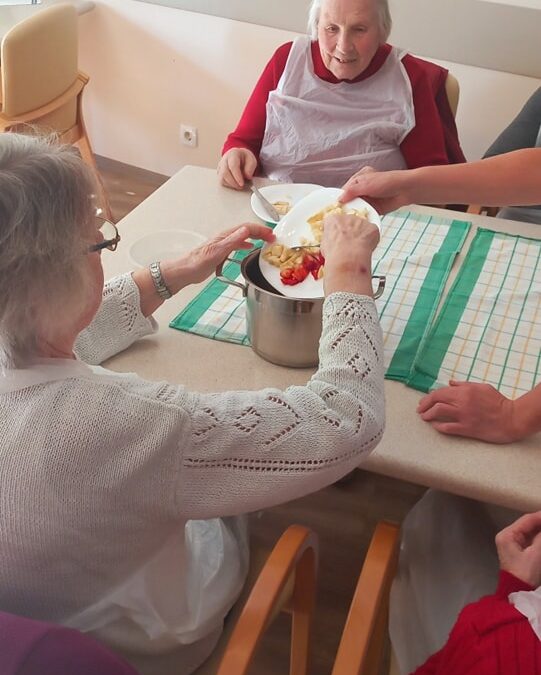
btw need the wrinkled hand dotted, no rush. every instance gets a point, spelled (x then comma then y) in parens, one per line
(347, 237)
(237, 166)
(200, 263)
(347, 245)
(205, 258)
(470, 409)
(519, 548)
(383, 189)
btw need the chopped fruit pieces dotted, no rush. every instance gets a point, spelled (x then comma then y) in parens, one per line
(296, 265)
(310, 263)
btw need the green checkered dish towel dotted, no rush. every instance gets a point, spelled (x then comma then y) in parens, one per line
(415, 253)
(489, 327)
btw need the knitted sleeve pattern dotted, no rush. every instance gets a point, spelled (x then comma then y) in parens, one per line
(118, 323)
(252, 449)
(232, 452)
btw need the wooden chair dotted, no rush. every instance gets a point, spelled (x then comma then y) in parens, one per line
(481, 210)
(362, 646)
(286, 583)
(42, 87)
(452, 89)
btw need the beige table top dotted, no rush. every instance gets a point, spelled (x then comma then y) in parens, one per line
(410, 450)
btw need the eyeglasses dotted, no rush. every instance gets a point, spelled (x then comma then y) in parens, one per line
(110, 234)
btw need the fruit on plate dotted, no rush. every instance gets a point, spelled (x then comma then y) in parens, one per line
(295, 265)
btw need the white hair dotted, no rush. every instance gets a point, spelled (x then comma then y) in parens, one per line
(385, 21)
(45, 215)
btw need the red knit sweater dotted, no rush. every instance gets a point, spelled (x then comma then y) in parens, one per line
(433, 140)
(490, 637)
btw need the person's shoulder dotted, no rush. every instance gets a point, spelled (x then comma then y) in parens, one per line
(419, 69)
(281, 54)
(489, 614)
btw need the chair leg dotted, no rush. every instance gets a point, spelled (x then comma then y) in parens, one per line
(302, 609)
(376, 651)
(88, 157)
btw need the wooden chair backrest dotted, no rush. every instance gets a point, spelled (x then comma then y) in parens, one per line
(363, 639)
(287, 583)
(452, 88)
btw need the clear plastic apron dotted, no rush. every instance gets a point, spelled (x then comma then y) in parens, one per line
(319, 132)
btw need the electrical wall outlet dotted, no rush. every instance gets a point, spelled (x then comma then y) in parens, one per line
(188, 135)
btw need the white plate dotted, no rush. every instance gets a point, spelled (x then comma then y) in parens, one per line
(164, 244)
(282, 192)
(294, 226)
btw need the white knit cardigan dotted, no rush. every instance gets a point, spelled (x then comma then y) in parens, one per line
(101, 472)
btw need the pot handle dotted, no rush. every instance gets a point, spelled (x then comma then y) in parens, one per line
(220, 276)
(381, 286)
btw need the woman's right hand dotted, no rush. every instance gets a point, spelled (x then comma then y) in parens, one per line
(385, 190)
(347, 246)
(237, 166)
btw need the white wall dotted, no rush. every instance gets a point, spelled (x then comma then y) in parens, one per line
(153, 67)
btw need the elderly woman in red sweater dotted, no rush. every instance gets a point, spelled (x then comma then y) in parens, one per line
(341, 98)
(500, 634)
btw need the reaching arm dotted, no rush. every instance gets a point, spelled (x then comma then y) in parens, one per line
(504, 180)
(129, 300)
(198, 264)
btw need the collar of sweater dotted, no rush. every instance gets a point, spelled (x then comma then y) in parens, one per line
(41, 371)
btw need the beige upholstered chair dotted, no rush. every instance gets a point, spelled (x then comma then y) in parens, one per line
(41, 85)
(452, 89)
(362, 646)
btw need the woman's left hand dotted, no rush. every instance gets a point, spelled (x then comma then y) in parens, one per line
(202, 261)
(197, 265)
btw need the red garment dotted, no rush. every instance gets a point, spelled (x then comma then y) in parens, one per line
(490, 637)
(433, 140)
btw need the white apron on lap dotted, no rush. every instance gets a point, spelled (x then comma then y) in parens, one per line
(321, 132)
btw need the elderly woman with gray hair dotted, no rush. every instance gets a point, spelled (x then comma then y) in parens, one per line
(120, 498)
(341, 98)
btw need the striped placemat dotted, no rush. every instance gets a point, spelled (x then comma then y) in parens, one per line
(489, 327)
(415, 253)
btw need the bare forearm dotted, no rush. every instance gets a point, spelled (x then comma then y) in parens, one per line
(527, 412)
(504, 180)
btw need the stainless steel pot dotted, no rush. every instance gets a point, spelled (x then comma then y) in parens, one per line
(282, 330)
